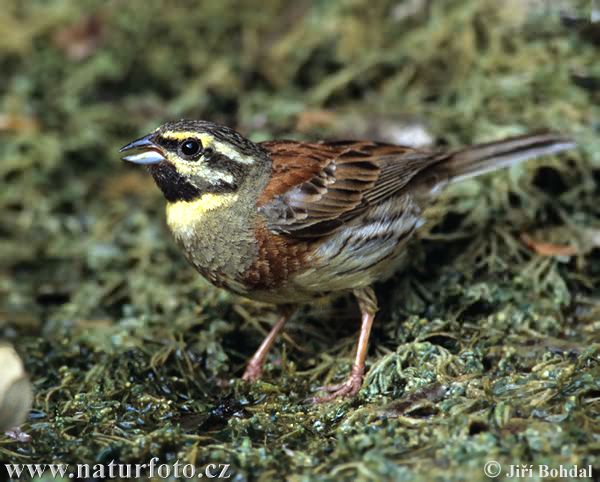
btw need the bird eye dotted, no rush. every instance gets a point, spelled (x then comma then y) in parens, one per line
(190, 148)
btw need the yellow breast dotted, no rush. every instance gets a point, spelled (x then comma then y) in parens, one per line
(183, 215)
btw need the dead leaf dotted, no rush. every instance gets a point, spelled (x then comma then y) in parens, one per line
(80, 40)
(314, 119)
(18, 123)
(548, 249)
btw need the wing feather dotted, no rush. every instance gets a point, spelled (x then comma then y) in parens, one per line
(317, 187)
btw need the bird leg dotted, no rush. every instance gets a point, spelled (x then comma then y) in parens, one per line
(255, 365)
(368, 307)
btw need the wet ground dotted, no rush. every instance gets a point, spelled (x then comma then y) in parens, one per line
(486, 348)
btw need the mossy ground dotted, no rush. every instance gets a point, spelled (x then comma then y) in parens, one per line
(483, 349)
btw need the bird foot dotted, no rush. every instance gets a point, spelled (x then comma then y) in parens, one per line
(349, 388)
(253, 372)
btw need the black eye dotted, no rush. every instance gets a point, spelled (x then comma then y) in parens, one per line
(190, 148)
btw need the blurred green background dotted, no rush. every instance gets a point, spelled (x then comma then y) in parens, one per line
(485, 349)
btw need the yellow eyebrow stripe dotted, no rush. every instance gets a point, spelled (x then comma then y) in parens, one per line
(182, 135)
(209, 141)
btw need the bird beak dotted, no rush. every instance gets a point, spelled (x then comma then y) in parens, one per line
(151, 153)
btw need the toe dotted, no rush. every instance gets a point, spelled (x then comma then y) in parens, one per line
(252, 373)
(330, 388)
(348, 389)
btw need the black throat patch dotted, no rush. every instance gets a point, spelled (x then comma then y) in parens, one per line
(174, 186)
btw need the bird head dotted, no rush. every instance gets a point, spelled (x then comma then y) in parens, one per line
(189, 158)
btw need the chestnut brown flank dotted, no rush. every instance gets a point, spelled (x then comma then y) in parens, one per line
(276, 259)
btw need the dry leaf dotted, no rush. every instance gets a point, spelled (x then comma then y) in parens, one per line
(548, 249)
(18, 123)
(81, 39)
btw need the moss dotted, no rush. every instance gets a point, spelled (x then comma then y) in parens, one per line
(483, 350)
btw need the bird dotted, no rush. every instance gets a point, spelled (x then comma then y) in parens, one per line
(289, 222)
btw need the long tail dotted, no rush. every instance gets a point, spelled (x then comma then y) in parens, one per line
(481, 158)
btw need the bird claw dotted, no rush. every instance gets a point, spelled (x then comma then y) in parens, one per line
(330, 388)
(253, 372)
(349, 388)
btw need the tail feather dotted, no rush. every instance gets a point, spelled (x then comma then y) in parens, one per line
(482, 158)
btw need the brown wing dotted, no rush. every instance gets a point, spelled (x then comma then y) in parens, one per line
(316, 187)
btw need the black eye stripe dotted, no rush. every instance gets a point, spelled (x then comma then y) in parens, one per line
(177, 146)
(168, 144)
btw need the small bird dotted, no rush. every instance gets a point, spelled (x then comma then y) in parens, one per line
(287, 222)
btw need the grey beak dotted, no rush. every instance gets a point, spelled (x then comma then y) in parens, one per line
(150, 154)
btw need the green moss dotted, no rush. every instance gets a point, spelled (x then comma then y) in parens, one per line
(482, 350)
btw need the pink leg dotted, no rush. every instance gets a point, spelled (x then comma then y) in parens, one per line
(255, 365)
(368, 307)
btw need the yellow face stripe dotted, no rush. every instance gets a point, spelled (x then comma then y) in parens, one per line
(183, 135)
(209, 141)
(182, 215)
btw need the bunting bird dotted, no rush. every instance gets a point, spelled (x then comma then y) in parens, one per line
(286, 222)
